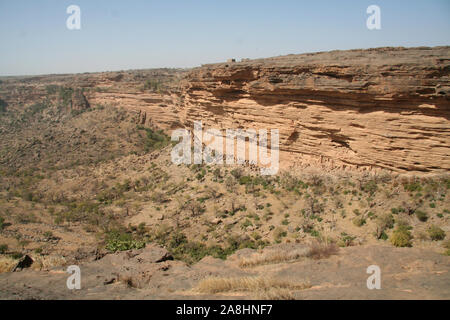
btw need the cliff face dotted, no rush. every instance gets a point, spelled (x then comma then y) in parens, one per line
(367, 109)
(359, 109)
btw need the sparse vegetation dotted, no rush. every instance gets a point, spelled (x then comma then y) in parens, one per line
(271, 257)
(252, 284)
(359, 221)
(383, 223)
(321, 250)
(436, 233)
(106, 177)
(154, 139)
(3, 106)
(119, 241)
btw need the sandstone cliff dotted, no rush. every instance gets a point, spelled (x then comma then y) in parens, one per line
(378, 108)
(384, 108)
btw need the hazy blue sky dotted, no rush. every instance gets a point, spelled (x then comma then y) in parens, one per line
(119, 35)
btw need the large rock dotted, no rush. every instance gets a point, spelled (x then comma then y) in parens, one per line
(153, 254)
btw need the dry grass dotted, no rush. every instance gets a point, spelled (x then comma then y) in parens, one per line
(129, 281)
(252, 284)
(7, 264)
(47, 262)
(322, 250)
(271, 257)
(275, 294)
(39, 262)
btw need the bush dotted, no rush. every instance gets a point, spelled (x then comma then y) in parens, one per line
(3, 105)
(65, 96)
(370, 187)
(246, 223)
(48, 235)
(237, 173)
(436, 233)
(16, 255)
(401, 237)
(154, 139)
(345, 240)
(383, 223)
(278, 234)
(245, 180)
(386, 221)
(3, 248)
(51, 89)
(359, 221)
(421, 215)
(2, 223)
(319, 250)
(192, 251)
(413, 187)
(119, 241)
(154, 85)
(37, 108)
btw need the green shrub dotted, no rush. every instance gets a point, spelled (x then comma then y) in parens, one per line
(192, 251)
(3, 248)
(2, 223)
(245, 180)
(421, 215)
(120, 241)
(154, 139)
(246, 224)
(345, 240)
(37, 108)
(278, 234)
(65, 96)
(3, 105)
(51, 89)
(359, 221)
(370, 187)
(16, 255)
(48, 235)
(154, 85)
(436, 233)
(237, 173)
(412, 187)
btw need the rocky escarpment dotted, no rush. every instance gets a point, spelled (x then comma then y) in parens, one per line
(384, 108)
(379, 108)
